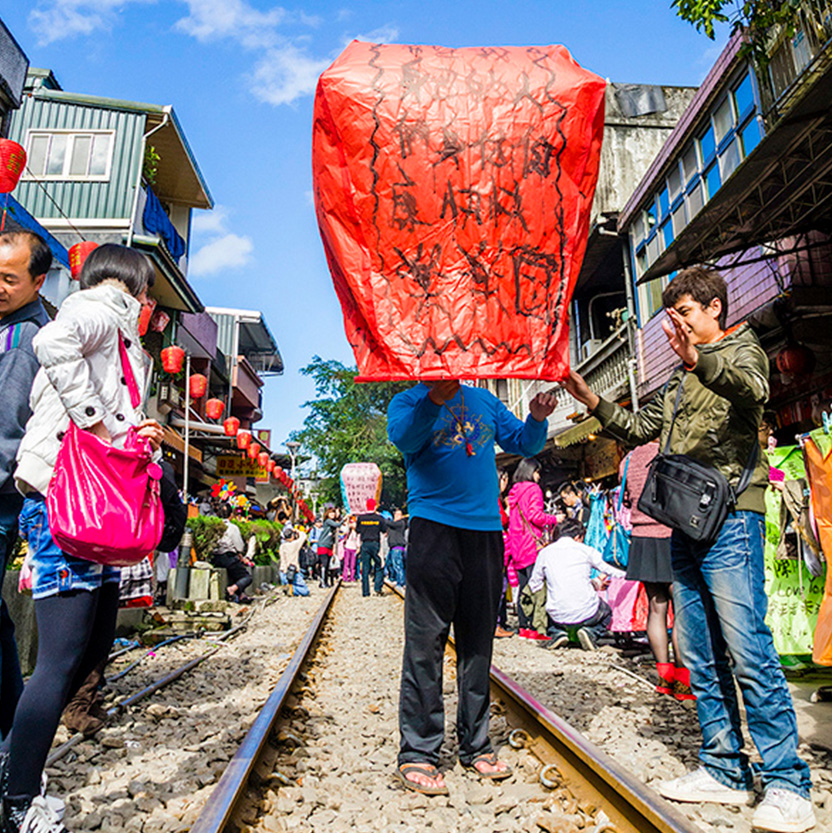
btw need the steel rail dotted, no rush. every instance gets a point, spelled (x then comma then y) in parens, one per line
(218, 809)
(590, 774)
(145, 692)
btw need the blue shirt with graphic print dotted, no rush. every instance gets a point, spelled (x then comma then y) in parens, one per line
(445, 483)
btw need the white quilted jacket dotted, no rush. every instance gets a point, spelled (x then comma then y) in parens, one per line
(81, 377)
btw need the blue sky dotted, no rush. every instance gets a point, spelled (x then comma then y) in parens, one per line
(241, 75)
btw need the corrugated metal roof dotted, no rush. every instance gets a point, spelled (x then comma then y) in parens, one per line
(256, 341)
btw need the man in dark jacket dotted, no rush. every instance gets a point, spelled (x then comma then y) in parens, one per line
(24, 261)
(718, 589)
(370, 526)
(397, 541)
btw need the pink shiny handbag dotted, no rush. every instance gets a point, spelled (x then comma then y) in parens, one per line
(103, 502)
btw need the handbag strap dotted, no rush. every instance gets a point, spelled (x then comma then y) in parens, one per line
(127, 371)
(538, 539)
(751, 462)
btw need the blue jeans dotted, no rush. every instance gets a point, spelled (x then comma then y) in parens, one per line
(370, 562)
(11, 681)
(395, 565)
(53, 570)
(721, 607)
(598, 624)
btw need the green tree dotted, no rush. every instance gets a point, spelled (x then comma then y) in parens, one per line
(757, 17)
(347, 423)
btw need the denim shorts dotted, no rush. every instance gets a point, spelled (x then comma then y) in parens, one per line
(53, 570)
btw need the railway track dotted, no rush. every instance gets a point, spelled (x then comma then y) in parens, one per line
(569, 783)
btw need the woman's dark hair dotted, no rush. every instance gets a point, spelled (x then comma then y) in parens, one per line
(119, 263)
(525, 470)
(224, 511)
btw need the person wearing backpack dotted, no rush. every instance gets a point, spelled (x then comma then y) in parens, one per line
(710, 412)
(85, 355)
(528, 531)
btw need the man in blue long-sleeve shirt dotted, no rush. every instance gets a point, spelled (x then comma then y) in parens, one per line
(447, 434)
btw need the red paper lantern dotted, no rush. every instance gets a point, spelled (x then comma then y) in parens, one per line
(172, 359)
(78, 255)
(12, 164)
(145, 315)
(197, 385)
(231, 426)
(243, 438)
(271, 465)
(795, 360)
(278, 471)
(253, 450)
(214, 408)
(263, 459)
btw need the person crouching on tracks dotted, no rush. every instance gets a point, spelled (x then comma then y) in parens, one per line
(718, 589)
(454, 564)
(76, 600)
(572, 600)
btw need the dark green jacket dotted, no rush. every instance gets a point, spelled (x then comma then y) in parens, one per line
(719, 413)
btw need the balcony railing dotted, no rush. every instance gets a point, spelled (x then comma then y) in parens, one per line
(606, 372)
(796, 62)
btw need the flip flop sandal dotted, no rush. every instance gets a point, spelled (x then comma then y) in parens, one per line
(490, 758)
(428, 770)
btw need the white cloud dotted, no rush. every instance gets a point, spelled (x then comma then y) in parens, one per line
(384, 34)
(285, 67)
(231, 251)
(53, 20)
(210, 222)
(224, 250)
(286, 74)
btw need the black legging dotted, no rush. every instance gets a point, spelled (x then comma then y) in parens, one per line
(75, 632)
(237, 572)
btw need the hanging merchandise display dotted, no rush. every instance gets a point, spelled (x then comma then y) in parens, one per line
(359, 483)
(197, 385)
(159, 321)
(243, 438)
(817, 452)
(214, 408)
(794, 593)
(172, 359)
(78, 256)
(453, 191)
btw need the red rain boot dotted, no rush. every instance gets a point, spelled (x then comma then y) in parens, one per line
(681, 685)
(667, 677)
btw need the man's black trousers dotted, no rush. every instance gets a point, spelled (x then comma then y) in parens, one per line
(454, 576)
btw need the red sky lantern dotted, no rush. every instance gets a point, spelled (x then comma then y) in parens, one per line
(231, 426)
(197, 385)
(253, 450)
(263, 459)
(243, 439)
(214, 408)
(78, 256)
(172, 359)
(12, 164)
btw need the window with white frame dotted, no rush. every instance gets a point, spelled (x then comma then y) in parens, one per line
(60, 154)
(728, 133)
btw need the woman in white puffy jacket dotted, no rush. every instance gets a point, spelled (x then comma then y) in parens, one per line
(76, 601)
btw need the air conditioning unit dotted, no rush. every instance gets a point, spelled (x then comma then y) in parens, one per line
(589, 347)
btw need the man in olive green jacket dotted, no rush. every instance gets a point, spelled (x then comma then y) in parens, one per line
(718, 589)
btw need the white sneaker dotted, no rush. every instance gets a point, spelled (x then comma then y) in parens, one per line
(55, 804)
(700, 785)
(40, 818)
(784, 811)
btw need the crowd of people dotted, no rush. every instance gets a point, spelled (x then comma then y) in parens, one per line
(470, 533)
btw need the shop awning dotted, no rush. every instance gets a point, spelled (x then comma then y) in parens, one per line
(577, 433)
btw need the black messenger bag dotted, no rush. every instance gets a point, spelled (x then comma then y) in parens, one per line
(687, 495)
